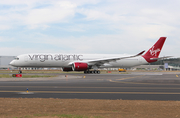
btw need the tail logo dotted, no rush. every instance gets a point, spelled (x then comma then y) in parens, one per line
(154, 52)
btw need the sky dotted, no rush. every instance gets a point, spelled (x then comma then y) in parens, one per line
(88, 26)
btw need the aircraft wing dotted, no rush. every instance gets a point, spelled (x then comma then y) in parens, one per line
(99, 62)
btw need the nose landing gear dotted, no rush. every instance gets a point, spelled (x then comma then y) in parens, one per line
(20, 71)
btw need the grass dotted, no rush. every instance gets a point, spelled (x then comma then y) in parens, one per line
(59, 116)
(37, 71)
(36, 76)
(26, 76)
(69, 116)
(57, 71)
(5, 76)
(86, 108)
(81, 72)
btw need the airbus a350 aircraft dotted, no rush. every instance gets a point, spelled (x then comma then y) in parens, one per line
(89, 63)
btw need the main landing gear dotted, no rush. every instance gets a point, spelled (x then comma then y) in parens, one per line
(20, 71)
(92, 72)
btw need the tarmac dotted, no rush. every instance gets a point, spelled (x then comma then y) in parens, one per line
(133, 86)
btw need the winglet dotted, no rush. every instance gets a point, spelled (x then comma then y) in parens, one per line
(140, 53)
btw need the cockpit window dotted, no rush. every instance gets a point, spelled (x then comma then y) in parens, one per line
(16, 58)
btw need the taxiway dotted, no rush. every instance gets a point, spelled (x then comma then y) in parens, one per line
(134, 86)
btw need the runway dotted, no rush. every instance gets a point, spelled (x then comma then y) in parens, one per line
(134, 86)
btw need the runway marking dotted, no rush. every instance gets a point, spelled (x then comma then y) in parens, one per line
(81, 92)
(88, 87)
(130, 77)
(139, 82)
(177, 76)
(145, 83)
(126, 79)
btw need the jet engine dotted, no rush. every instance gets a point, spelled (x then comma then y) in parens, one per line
(78, 66)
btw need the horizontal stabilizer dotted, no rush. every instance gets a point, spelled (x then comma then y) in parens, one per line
(161, 58)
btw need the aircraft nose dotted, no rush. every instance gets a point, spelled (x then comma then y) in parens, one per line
(12, 63)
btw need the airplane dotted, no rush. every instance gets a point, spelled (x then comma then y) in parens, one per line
(89, 63)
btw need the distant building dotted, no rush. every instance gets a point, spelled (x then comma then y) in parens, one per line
(4, 62)
(149, 67)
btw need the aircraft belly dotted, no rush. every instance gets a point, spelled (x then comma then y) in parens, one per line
(122, 63)
(126, 63)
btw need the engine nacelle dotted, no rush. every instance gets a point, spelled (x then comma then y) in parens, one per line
(67, 69)
(77, 66)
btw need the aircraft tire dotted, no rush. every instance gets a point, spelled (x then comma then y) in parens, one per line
(98, 72)
(92, 72)
(20, 71)
(95, 72)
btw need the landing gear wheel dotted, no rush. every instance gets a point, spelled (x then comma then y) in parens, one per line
(20, 71)
(92, 72)
(86, 72)
(95, 71)
(98, 72)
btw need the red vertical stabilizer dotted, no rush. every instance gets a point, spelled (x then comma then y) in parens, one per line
(154, 51)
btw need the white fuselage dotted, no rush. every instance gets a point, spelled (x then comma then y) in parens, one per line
(84, 62)
(64, 60)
